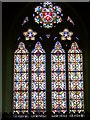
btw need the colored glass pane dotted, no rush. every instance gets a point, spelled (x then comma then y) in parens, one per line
(58, 79)
(75, 79)
(21, 77)
(38, 79)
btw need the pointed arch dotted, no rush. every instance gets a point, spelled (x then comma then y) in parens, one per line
(58, 79)
(21, 78)
(75, 79)
(38, 79)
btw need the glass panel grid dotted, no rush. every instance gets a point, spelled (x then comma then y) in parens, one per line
(75, 79)
(21, 78)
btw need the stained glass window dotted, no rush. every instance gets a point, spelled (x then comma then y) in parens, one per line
(75, 79)
(58, 79)
(48, 14)
(21, 76)
(66, 34)
(38, 79)
(30, 34)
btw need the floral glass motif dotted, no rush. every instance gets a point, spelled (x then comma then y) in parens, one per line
(75, 79)
(30, 34)
(47, 15)
(21, 78)
(58, 79)
(38, 79)
(66, 35)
